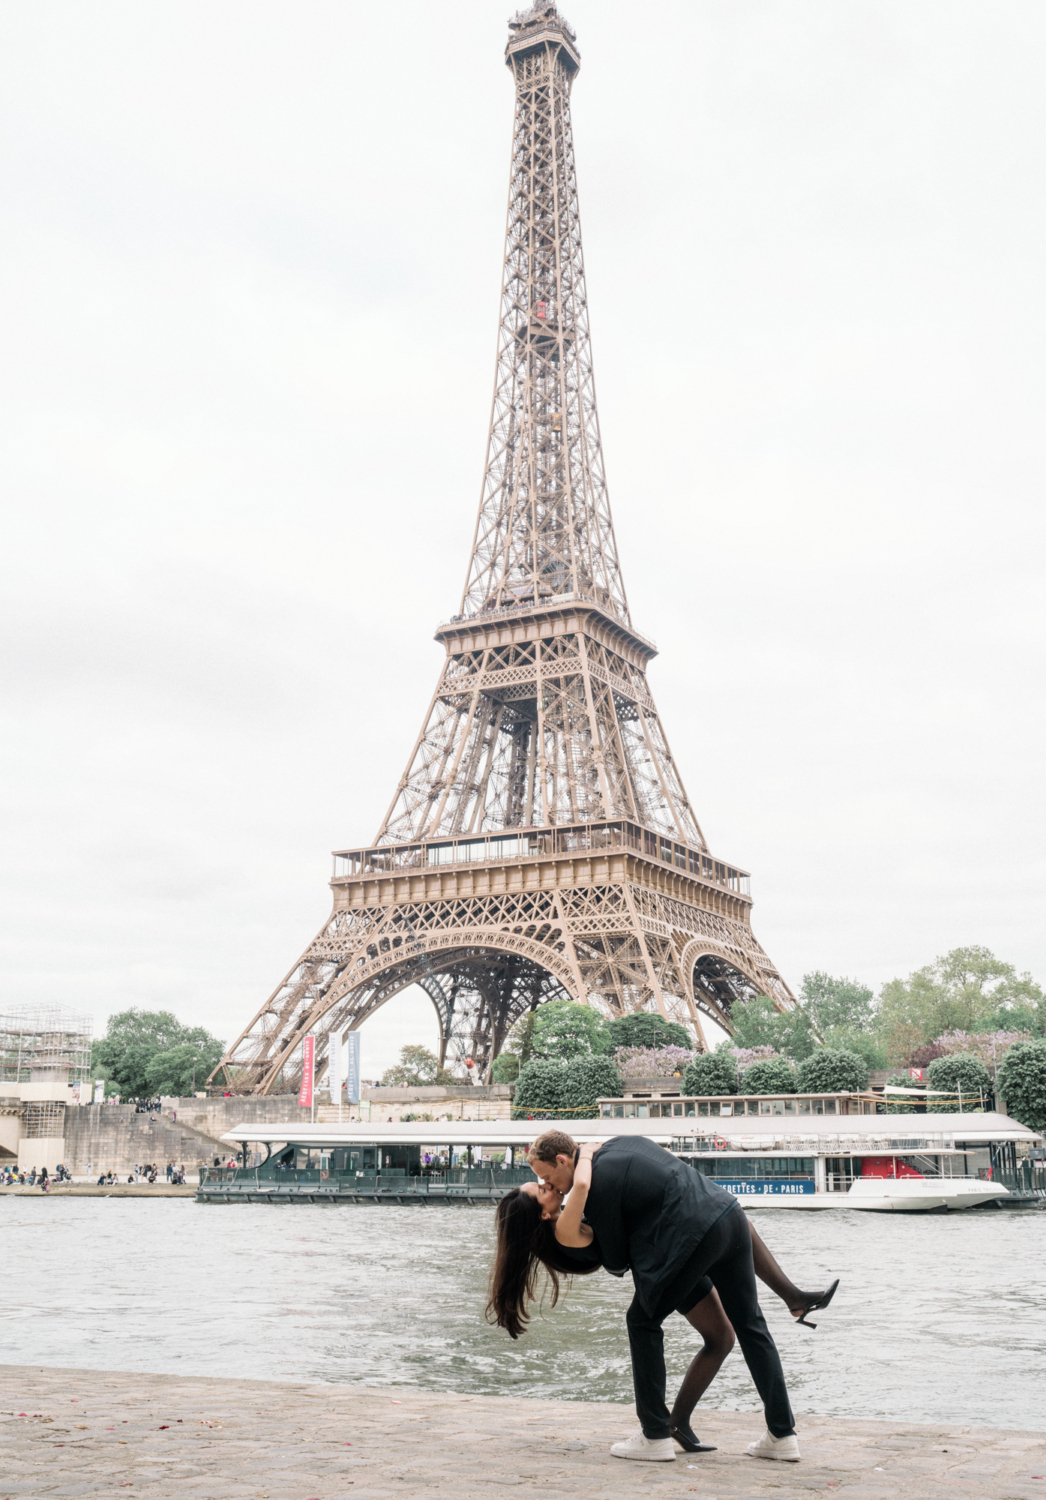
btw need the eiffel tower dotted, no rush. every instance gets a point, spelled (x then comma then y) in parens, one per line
(540, 843)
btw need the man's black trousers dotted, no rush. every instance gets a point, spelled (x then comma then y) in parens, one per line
(724, 1256)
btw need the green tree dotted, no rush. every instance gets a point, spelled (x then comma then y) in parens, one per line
(844, 1015)
(964, 991)
(539, 1090)
(587, 1079)
(133, 1038)
(837, 1004)
(563, 1029)
(711, 1073)
(1021, 1082)
(1022, 1016)
(417, 1068)
(183, 1069)
(646, 1028)
(774, 1075)
(959, 1073)
(522, 1037)
(758, 1023)
(506, 1068)
(831, 1071)
(867, 1044)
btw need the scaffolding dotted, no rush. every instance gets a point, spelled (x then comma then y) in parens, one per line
(45, 1044)
(43, 1120)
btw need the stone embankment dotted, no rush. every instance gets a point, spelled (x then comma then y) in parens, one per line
(100, 1433)
(115, 1137)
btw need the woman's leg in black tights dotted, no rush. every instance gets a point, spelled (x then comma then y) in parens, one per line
(771, 1274)
(714, 1327)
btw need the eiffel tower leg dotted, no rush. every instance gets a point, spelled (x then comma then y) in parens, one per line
(447, 1025)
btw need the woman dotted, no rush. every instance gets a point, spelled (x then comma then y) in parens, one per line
(535, 1229)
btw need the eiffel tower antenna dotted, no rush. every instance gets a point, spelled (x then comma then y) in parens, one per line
(540, 843)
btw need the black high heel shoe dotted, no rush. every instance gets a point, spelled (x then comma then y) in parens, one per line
(688, 1440)
(812, 1306)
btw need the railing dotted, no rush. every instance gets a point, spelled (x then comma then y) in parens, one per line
(496, 612)
(836, 1144)
(387, 1180)
(536, 843)
(1030, 1177)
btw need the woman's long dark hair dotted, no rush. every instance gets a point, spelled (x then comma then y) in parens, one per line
(525, 1242)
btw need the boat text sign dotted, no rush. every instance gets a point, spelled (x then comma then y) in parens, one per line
(754, 1187)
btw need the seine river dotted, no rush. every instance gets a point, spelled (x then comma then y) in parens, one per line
(936, 1317)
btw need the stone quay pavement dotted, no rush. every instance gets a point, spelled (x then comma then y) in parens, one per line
(106, 1433)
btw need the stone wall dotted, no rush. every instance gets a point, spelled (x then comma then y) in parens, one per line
(114, 1137)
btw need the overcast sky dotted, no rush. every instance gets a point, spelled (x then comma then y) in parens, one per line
(251, 263)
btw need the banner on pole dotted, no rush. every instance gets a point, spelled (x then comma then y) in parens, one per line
(352, 1067)
(308, 1063)
(334, 1066)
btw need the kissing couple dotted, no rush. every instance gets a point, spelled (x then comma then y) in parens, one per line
(634, 1206)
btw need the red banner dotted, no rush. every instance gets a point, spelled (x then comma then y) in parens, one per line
(308, 1063)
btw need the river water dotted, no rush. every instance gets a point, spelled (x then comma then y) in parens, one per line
(937, 1317)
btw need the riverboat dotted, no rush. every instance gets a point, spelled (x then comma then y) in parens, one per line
(832, 1157)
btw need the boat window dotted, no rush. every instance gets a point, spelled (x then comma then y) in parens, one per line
(829, 1106)
(677, 1109)
(690, 1110)
(630, 1111)
(778, 1106)
(765, 1107)
(702, 1109)
(619, 1111)
(789, 1106)
(642, 1111)
(726, 1109)
(803, 1106)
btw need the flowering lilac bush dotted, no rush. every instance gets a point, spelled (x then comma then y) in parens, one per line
(746, 1056)
(989, 1046)
(651, 1062)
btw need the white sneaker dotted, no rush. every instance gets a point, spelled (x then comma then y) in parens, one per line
(656, 1450)
(768, 1446)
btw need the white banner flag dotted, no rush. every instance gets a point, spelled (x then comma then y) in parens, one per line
(334, 1066)
(352, 1067)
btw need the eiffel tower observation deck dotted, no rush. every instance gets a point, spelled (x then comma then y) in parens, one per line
(540, 843)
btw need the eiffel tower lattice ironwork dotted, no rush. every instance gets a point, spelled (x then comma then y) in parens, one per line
(541, 843)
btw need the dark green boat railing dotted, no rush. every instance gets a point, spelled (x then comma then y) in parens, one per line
(271, 1180)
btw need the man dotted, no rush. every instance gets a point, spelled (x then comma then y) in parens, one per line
(673, 1228)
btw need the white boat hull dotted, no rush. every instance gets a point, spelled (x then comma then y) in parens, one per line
(886, 1195)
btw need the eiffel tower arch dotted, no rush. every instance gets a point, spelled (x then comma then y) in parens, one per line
(540, 843)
